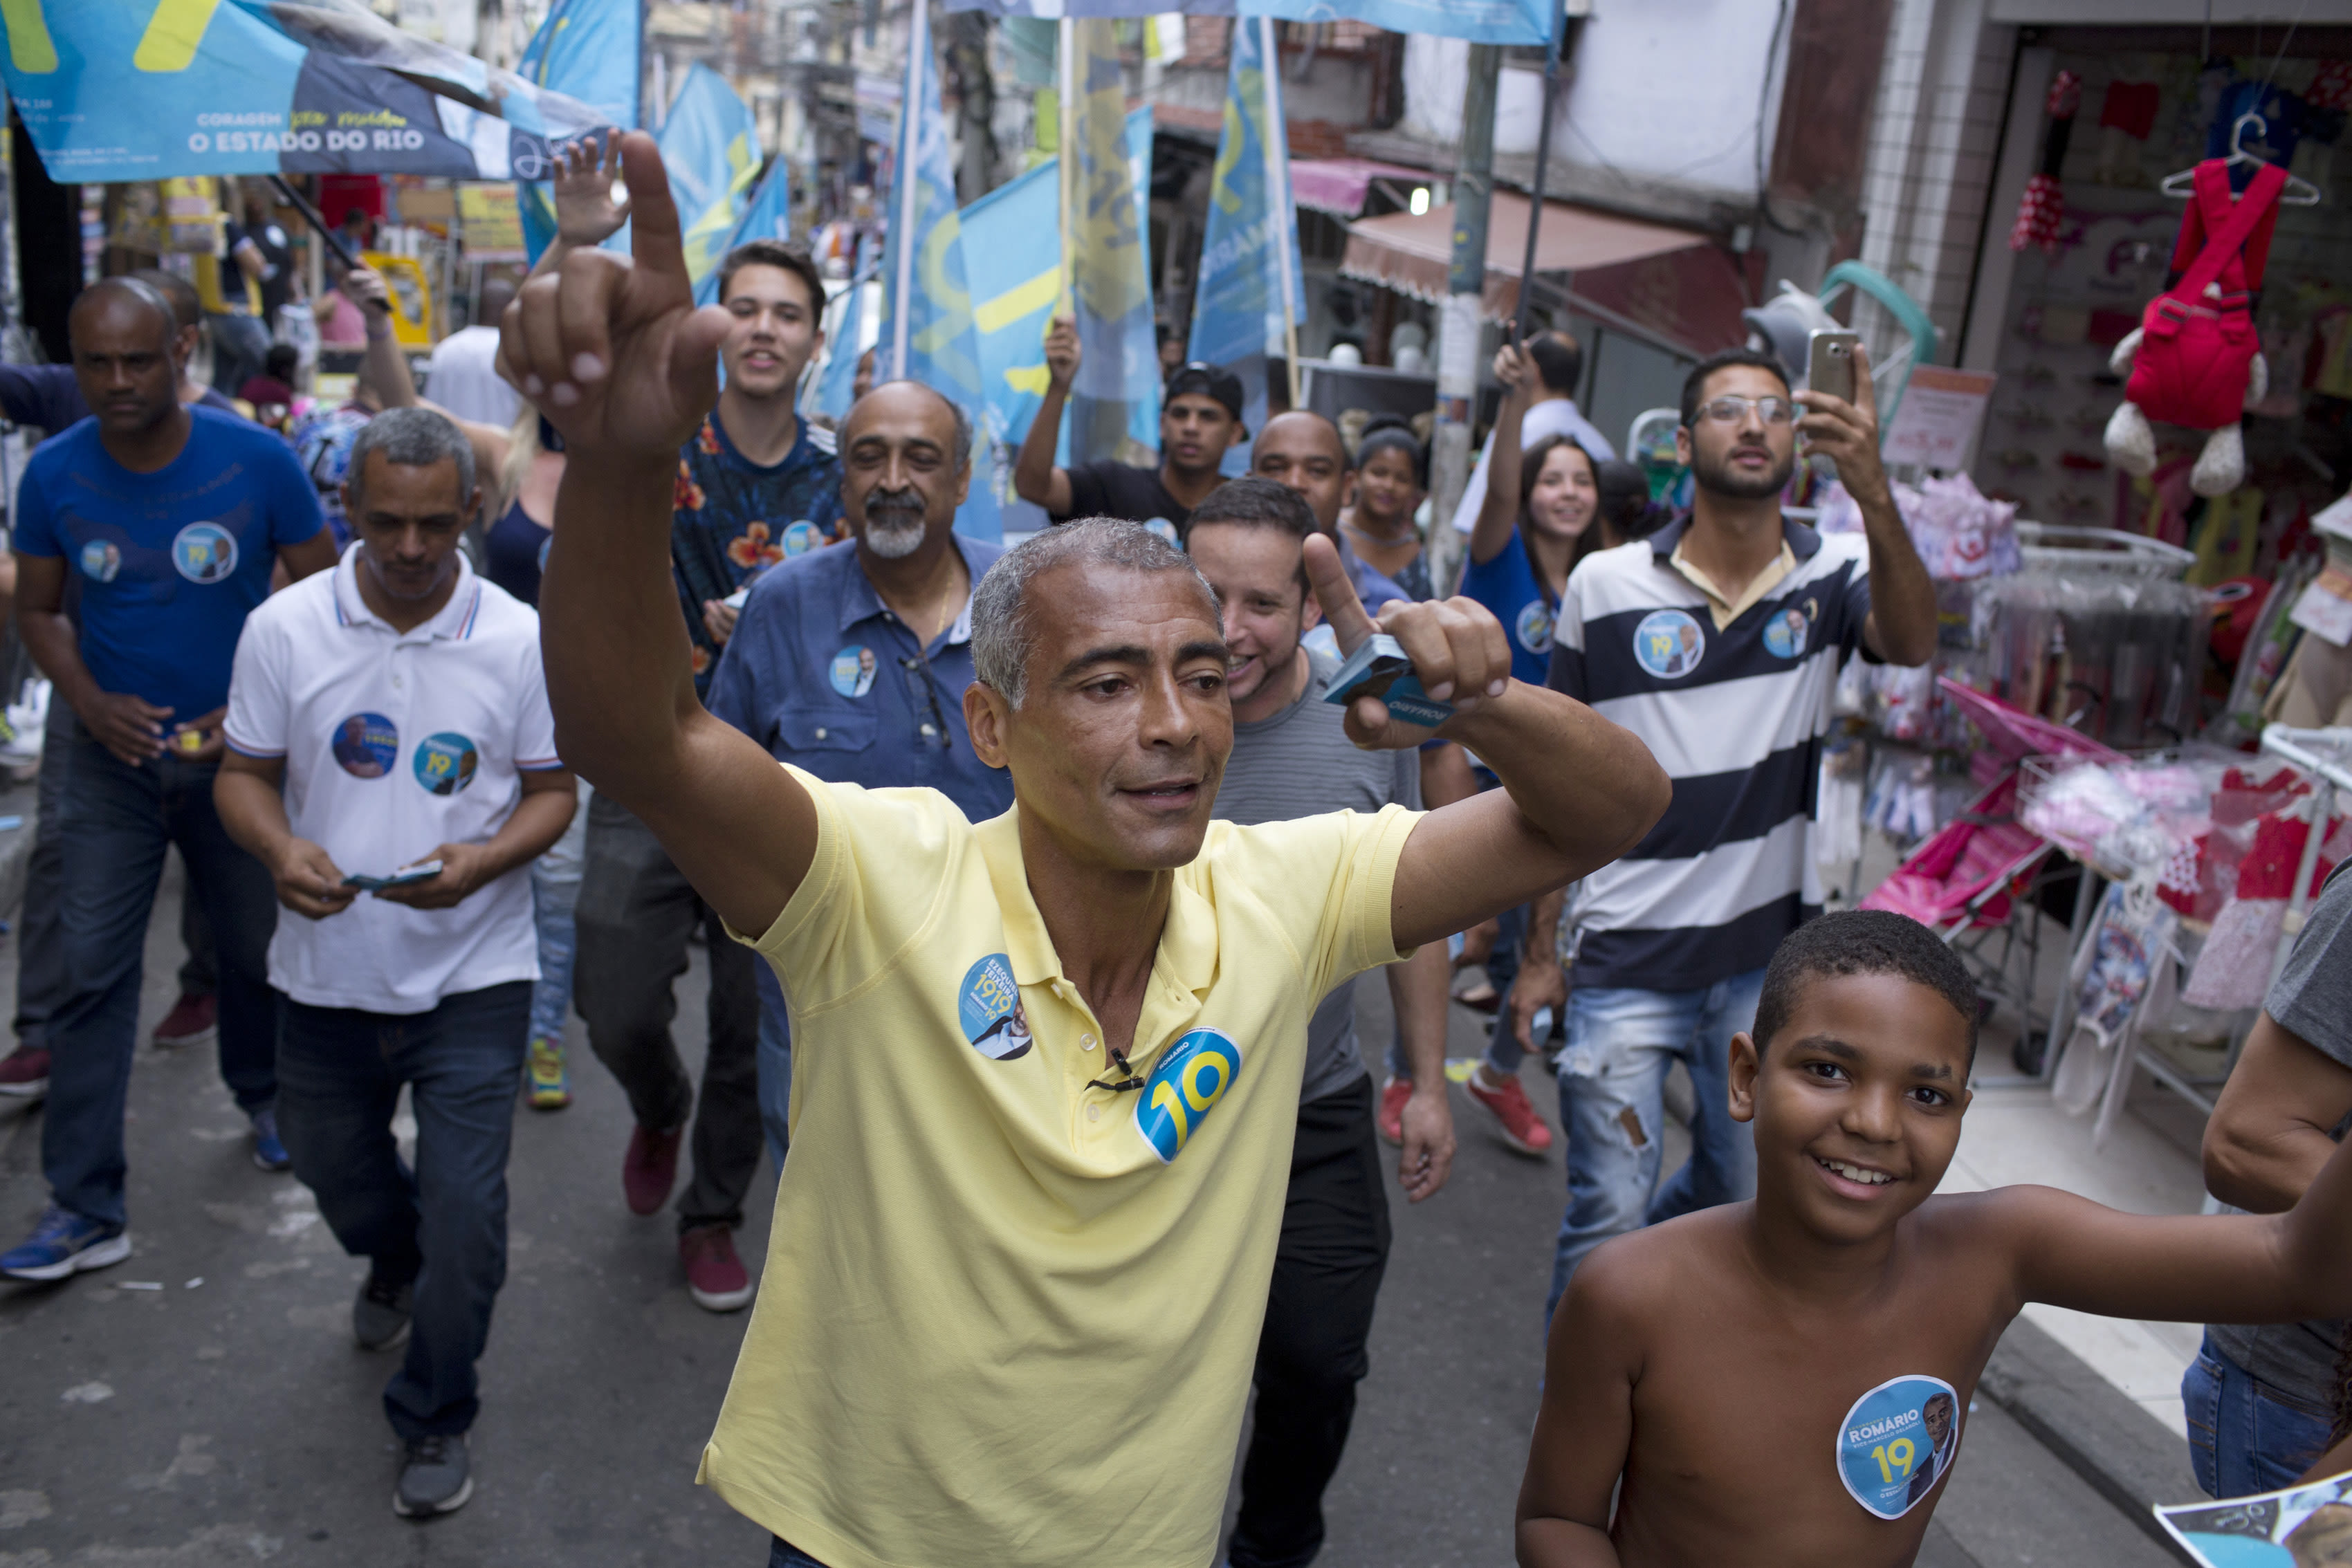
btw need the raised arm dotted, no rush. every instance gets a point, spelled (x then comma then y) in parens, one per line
(2215, 1268)
(587, 215)
(1034, 477)
(1499, 513)
(1902, 625)
(1584, 1427)
(625, 367)
(2270, 1132)
(385, 369)
(1578, 790)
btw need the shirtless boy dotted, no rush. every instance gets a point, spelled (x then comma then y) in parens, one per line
(1761, 1374)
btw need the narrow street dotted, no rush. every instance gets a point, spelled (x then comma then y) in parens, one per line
(222, 1417)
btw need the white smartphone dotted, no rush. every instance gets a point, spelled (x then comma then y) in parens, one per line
(1828, 362)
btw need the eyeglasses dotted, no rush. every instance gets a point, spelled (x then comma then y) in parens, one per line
(1732, 409)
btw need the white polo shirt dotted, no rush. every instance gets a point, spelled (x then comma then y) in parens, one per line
(396, 742)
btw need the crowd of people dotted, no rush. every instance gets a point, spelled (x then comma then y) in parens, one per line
(1033, 882)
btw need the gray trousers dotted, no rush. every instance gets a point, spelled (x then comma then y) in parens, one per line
(635, 913)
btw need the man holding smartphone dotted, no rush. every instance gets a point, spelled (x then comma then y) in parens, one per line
(1716, 640)
(382, 717)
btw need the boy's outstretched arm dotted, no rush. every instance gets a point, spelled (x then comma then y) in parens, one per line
(2219, 1268)
(616, 356)
(1584, 1429)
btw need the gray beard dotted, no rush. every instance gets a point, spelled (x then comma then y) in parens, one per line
(892, 539)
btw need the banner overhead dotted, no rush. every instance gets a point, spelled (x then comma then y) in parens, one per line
(249, 87)
(1480, 21)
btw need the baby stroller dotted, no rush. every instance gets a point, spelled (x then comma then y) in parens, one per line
(1965, 881)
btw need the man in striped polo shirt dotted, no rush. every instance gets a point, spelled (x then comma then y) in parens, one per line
(1718, 639)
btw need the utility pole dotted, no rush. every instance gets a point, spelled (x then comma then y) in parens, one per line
(1457, 328)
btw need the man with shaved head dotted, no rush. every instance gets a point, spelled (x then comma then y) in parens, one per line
(850, 663)
(171, 519)
(1048, 1066)
(1303, 451)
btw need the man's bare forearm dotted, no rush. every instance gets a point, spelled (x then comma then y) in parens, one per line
(50, 637)
(1901, 595)
(1033, 470)
(531, 829)
(252, 812)
(619, 678)
(1585, 785)
(1417, 994)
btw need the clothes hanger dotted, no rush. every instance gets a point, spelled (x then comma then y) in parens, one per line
(2297, 192)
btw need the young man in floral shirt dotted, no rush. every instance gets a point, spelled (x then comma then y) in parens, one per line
(755, 485)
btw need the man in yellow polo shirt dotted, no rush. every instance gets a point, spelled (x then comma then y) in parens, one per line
(1047, 1067)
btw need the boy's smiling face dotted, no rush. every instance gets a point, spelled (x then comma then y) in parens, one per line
(1857, 1102)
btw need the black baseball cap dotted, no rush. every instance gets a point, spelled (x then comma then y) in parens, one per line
(1213, 381)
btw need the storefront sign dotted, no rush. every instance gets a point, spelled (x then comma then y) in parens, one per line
(493, 223)
(1942, 411)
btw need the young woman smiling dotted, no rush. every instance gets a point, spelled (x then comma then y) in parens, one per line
(1389, 491)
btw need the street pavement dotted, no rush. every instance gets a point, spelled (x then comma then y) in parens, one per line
(225, 1418)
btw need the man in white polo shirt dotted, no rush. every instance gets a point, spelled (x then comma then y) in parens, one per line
(397, 703)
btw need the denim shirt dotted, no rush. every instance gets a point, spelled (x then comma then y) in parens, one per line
(732, 519)
(828, 678)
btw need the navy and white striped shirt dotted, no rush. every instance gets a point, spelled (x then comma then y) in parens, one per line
(1735, 717)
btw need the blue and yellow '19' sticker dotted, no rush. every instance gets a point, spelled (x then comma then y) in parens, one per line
(1184, 1087)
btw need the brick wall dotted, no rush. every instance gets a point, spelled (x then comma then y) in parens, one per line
(1943, 95)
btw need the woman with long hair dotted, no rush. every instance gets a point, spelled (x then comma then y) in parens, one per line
(1391, 482)
(1540, 518)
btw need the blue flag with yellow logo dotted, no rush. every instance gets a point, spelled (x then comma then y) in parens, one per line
(1115, 402)
(927, 326)
(710, 146)
(588, 49)
(1252, 232)
(149, 90)
(768, 216)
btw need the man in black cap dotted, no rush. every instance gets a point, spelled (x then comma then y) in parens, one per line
(1200, 419)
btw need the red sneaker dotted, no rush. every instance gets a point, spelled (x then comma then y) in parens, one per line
(193, 1020)
(650, 1168)
(714, 1275)
(25, 1072)
(1393, 1094)
(1520, 1126)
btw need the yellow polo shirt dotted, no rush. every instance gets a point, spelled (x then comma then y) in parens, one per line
(1006, 1318)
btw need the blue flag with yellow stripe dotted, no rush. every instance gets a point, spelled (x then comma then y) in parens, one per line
(588, 49)
(710, 147)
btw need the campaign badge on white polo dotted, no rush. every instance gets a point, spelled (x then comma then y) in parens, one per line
(1184, 1087)
(446, 763)
(853, 670)
(1533, 626)
(989, 1008)
(101, 559)
(203, 552)
(1896, 1443)
(1668, 644)
(366, 745)
(1786, 634)
(802, 537)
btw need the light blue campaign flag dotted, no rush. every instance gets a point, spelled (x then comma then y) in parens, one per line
(150, 90)
(1116, 399)
(710, 147)
(1480, 21)
(1249, 255)
(588, 49)
(927, 328)
(769, 215)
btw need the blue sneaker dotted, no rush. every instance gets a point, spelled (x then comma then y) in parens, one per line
(268, 1152)
(65, 1243)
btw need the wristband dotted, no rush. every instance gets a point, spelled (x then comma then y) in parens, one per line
(379, 328)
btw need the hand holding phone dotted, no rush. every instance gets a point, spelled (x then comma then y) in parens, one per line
(1829, 363)
(422, 871)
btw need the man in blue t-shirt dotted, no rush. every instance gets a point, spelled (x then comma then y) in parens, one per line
(171, 519)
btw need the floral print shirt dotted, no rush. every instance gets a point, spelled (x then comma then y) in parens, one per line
(733, 519)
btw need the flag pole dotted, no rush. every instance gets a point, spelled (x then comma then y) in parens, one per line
(1276, 145)
(902, 314)
(1065, 65)
(1535, 196)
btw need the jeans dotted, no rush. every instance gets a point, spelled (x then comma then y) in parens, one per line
(1318, 1315)
(2244, 1437)
(634, 914)
(784, 1555)
(554, 892)
(41, 933)
(1612, 1075)
(240, 351)
(443, 1225)
(775, 1061)
(115, 823)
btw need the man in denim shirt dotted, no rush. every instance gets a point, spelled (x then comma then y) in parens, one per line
(755, 487)
(850, 663)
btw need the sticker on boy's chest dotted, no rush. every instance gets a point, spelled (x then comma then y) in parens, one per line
(1184, 1087)
(1898, 1442)
(989, 1008)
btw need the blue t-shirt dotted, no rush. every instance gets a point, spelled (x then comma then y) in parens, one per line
(170, 562)
(1509, 586)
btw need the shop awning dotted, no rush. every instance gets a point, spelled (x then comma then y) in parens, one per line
(1337, 185)
(1412, 252)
